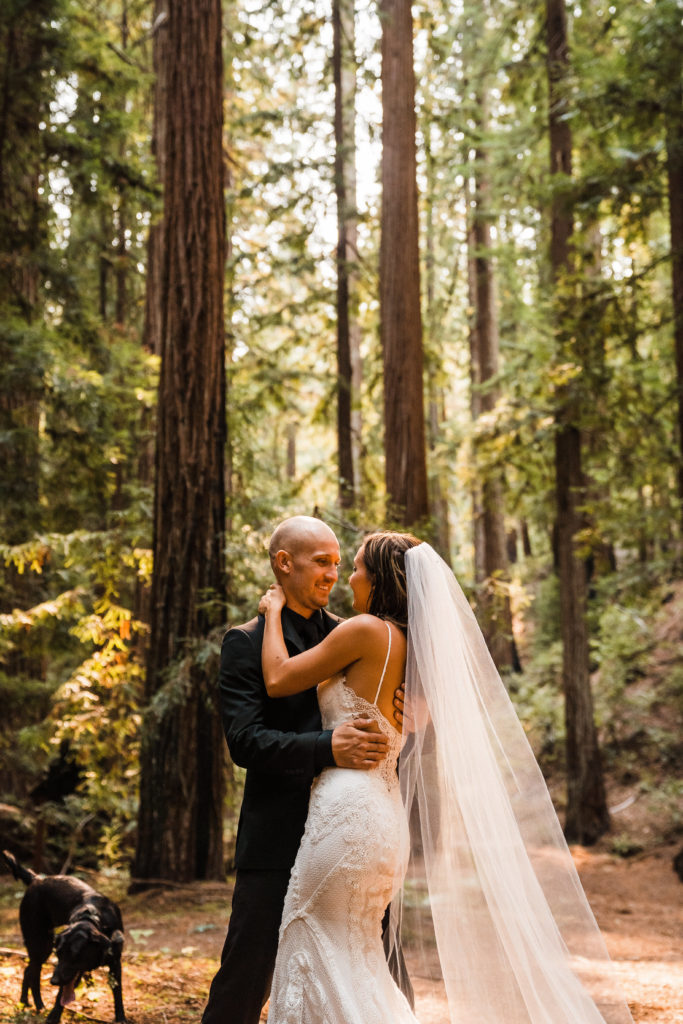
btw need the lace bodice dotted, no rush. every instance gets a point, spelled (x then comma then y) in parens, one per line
(339, 703)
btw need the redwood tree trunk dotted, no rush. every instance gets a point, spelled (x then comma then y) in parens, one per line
(182, 759)
(155, 242)
(25, 93)
(122, 257)
(290, 462)
(489, 530)
(399, 289)
(26, 89)
(674, 163)
(348, 330)
(436, 414)
(151, 331)
(587, 815)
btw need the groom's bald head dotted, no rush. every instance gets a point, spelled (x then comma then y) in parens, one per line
(298, 532)
(304, 554)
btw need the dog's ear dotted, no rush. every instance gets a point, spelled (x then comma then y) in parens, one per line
(72, 940)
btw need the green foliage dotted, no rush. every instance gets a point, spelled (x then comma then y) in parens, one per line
(95, 682)
(638, 689)
(98, 423)
(537, 697)
(76, 405)
(667, 796)
(624, 845)
(77, 389)
(623, 643)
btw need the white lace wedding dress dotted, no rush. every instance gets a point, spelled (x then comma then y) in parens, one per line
(331, 967)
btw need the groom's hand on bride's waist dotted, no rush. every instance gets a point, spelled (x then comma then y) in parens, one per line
(359, 744)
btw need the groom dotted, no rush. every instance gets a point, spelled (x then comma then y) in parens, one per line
(282, 745)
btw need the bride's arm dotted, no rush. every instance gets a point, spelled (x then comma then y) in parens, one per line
(285, 675)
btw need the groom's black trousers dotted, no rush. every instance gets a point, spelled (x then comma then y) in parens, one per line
(242, 983)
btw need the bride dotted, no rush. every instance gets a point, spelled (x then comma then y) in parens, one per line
(464, 834)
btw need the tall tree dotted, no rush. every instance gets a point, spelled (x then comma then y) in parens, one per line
(25, 93)
(155, 244)
(674, 165)
(399, 286)
(348, 328)
(490, 557)
(182, 760)
(27, 36)
(436, 415)
(587, 816)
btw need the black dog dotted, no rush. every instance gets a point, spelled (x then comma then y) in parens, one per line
(93, 936)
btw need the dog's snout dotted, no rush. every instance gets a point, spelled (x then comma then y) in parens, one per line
(62, 975)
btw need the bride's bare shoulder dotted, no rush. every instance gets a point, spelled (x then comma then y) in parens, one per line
(364, 622)
(372, 628)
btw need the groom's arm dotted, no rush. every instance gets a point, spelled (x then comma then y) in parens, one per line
(251, 743)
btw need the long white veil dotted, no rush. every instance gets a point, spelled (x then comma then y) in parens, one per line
(509, 933)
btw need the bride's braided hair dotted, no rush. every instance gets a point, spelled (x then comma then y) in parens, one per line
(384, 557)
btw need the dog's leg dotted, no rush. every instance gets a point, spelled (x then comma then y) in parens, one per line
(38, 939)
(113, 959)
(117, 991)
(56, 1011)
(25, 985)
(31, 982)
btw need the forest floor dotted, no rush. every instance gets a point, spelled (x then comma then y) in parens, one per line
(174, 937)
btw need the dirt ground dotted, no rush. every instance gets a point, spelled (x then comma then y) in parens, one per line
(174, 937)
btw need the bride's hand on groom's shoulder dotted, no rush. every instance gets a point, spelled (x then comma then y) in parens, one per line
(273, 600)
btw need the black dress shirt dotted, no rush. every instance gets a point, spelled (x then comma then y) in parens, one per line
(311, 630)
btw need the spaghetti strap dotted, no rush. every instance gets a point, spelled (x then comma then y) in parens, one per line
(386, 662)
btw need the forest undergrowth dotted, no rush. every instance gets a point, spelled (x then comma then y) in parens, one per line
(637, 685)
(174, 935)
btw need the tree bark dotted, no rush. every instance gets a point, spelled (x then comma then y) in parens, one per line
(587, 816)
(151, 330)
(489, 530)
(290, 461)
(348, 328)
(438, 496)
(490, 547)
(122, 257)
(438, 479)
(23, 101)
(25, 93)
(674, 165)
(400, 316)
(182, 757)
(155, 243)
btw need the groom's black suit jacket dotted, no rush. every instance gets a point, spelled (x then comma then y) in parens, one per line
(279, 741)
